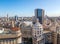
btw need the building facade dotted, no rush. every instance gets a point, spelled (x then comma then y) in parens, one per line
(10, 39)
(39, 13)
(58, 34)
(37, 33)
(26, 31)
(48, 37)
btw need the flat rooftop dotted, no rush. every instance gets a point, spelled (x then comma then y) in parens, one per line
(5, 36)
(46, 31)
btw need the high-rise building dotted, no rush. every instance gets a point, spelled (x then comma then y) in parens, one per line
(39, 13)
(7, 17)
(16, 18)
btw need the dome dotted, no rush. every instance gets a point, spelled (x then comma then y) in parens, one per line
(37, 24)
(28, 23)
(25, 24)
(22, 25)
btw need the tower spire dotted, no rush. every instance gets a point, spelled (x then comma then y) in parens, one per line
(7, 17)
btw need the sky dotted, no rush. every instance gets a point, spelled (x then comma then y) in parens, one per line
(26, 7)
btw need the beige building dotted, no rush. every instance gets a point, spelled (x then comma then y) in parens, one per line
(54, 37)
(53, 29)
(58, 34)
(48, 37)
(10, 37)
(37, 33)
(26, 33)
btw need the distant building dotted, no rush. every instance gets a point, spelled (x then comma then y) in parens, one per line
(39, 13)
(16, 18)
(7, 17)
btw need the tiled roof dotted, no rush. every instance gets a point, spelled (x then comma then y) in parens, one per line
(15, 28)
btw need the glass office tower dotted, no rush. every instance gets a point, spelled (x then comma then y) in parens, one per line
(16, 18)
(39, 13)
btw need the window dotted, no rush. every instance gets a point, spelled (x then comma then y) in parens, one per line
(40, 28)
(37, 32)
(25, 32)
(35, 35)
(40, 32)
(38, 42)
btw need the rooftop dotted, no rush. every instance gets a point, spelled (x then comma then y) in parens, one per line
(3, 36)
(46, 31)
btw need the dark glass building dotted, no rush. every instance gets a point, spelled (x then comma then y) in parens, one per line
(39, 13)
(16, 18)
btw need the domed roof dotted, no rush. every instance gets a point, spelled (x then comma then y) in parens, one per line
(37, 24)
(22, 25)
(25, 24)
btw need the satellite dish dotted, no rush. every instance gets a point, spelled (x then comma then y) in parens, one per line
(1, 30)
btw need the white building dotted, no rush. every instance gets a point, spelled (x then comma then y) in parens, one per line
(37, 33)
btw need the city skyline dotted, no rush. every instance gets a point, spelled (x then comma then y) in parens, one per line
(27, 7)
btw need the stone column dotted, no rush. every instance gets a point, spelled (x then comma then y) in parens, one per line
(19, 40)
(1, 41)
(15, 41)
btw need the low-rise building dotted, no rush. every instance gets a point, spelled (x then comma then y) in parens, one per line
(48, 37)
(8, 37)
(26, 31)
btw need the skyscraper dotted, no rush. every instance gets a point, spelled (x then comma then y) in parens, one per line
(7, 17)
(39, 13)
(16, 18)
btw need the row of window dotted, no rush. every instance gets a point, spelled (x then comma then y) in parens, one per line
(37, 28)
(27, 33)
(37, 32)
(11, 41)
